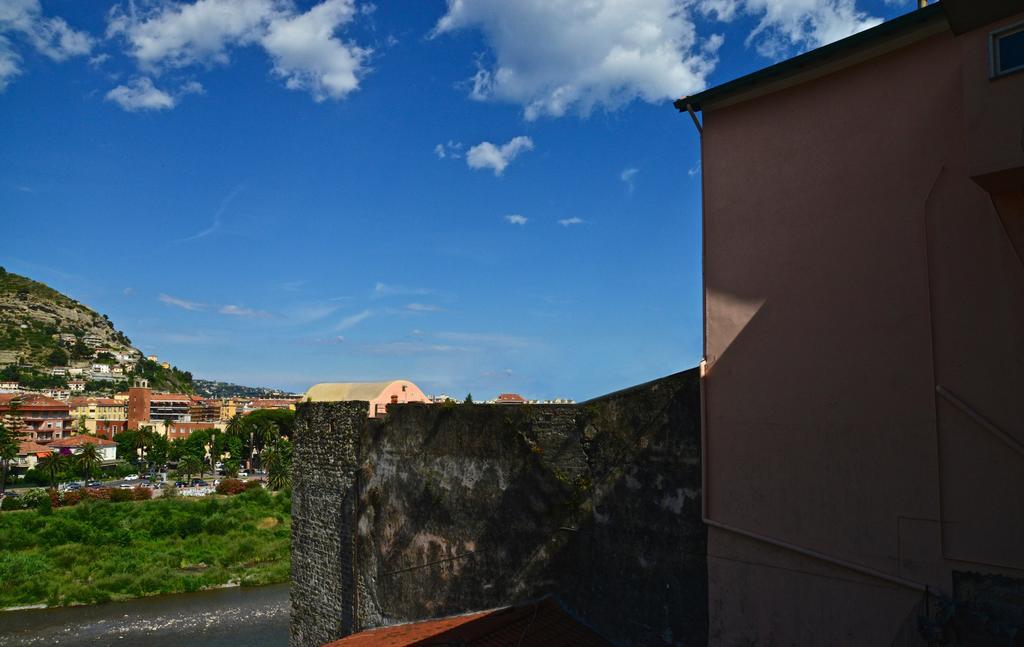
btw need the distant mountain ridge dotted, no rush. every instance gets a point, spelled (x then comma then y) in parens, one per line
(214, 389)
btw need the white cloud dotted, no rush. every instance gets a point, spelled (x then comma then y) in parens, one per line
(141, 94)
(180, 303)
(411, 347)
(452, 149)
(303, 47)
(353, 320)
(516, 219)
(9, 63)
(498, 340)
(567, 222)
(389, 290)
(308, 55)
(627, 176)
(423, 307)
(788, 24)
(582, 55)
(51, 37)
(177, 35)
(487, 155)
(579, 56)
(239, 311)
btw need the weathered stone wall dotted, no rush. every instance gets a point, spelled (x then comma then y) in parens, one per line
(326, 453)
(467, 507)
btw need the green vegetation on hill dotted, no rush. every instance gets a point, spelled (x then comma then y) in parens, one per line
(99, 551)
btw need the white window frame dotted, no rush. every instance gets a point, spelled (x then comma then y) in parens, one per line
(993, 50)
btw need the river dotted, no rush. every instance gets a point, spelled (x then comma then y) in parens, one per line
(256, 617)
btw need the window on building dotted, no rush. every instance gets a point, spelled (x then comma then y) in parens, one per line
(1007, 50)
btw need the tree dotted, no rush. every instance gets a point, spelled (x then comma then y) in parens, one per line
(80, 351)
(277, 458)
(89, 460)
(189, 465)
(9, 446)
(52, 465)
(57, 358)
(469, 398)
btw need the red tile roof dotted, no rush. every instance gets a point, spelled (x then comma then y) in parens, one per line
(30, 447)
(542, 623)
(81, 439)
(171, 397)
(511, 397)
(31, 401)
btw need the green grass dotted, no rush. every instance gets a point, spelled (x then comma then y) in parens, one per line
(101, 551)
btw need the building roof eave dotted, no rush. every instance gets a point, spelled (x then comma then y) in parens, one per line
(870, 43)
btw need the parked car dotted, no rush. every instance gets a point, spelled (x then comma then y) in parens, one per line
(131, 477)
(180, 484)
(198, 483)
(93, 484)
(126, 486)
(72, 487)
(242, 473)
(11, 494)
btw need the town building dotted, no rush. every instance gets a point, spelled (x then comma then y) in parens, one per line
(29, 453)
(378, 394)
(73, 445)
(257, 404)
(864, 301)
(9, 386)
(76, 386)
(37, 417)
(205, 410)
(103, 417)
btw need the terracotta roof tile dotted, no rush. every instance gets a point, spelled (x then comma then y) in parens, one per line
(544, 623)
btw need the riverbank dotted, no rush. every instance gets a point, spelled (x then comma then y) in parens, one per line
(101, 551)
(255, 617)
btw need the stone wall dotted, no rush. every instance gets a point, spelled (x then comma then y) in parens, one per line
(326, 440)
(467, 507)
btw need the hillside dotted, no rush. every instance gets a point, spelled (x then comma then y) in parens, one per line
(214, 389)
(42, 330)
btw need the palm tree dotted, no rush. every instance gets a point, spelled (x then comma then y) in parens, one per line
(141, 442)
(53, 464)
(277, 458)
(89, 459)
(189, 464)
(9, 446)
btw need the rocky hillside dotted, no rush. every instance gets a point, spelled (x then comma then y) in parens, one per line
(34, 317)
(40, 329)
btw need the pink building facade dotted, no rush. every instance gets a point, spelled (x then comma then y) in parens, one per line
(863, 383)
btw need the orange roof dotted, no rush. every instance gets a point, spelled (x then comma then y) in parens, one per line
(27, 447)
(82, 439)
(31, 401)
(535, 624)
(171, 397)
(511, 397)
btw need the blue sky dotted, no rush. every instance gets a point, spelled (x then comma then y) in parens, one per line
(479, 196)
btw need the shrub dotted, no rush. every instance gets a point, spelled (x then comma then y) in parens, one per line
(7, 503)
(120, 496)
(231, 486)
(253, 485)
